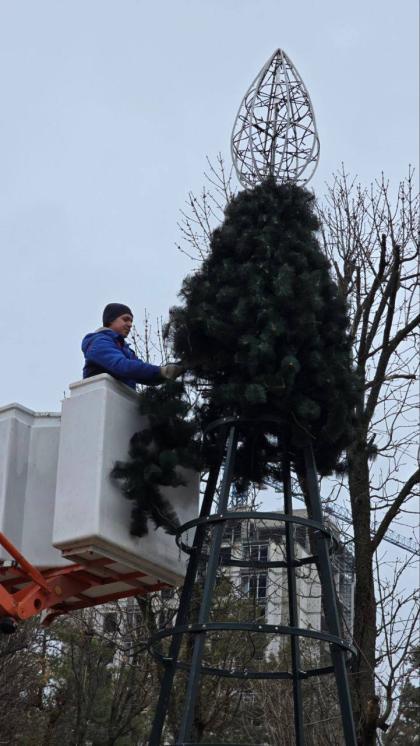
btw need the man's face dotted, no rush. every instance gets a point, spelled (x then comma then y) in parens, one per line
(122, 324)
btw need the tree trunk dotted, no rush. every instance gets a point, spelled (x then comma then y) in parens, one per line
(363, 679)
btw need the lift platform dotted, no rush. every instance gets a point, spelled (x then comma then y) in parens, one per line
(64, 524)
(26, 591)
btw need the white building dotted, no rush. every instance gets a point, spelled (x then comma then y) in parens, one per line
(264, 541)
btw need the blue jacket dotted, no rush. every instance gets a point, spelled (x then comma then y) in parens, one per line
(106, 351)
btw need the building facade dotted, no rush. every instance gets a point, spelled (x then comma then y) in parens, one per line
(264, 541)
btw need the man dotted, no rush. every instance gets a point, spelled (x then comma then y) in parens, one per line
(106, 351)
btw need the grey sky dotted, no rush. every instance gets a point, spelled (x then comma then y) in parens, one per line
(107, 112)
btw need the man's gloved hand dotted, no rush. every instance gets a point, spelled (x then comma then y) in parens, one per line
(171, 371)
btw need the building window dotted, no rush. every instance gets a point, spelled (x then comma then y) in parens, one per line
(236, 531)
(256, 552)
(255, 586)
(166, 617)
(262, 587)
(110, 623)
(301, 535)
(232, 532)
(225, 555)
(167, 594)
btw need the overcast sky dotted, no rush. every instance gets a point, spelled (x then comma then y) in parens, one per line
(108, 110)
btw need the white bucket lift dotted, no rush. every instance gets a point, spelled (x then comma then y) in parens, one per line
(60, 509)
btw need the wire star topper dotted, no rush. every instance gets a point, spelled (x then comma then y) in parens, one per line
(275, 132)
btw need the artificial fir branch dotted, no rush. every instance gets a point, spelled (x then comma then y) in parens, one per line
(155, 456)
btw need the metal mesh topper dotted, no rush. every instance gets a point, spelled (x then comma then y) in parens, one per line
(275, 132)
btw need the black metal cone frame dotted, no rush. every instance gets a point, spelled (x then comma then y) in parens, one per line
(342, 651)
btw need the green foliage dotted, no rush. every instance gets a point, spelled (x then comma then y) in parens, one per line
(155, 455)
(263, 325)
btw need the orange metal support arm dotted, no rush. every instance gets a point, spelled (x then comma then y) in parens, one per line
(26, 591)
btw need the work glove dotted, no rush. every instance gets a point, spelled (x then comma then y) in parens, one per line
(171, 371)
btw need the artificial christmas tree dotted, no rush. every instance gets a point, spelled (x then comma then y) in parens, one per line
(264, 328)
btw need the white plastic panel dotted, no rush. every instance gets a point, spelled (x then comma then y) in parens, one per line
(15, 427)
(91, 515)
(40, 492)
(28, 468)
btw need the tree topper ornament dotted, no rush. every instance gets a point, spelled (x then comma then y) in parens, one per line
(275, 132)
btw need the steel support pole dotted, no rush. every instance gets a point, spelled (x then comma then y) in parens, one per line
(329, 600)
(184, 604)
(293, 607)
(210, 581)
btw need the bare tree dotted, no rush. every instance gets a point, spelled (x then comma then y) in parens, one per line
(21, 683)
(371, 239)
(201, 214)
(274, 702)
(398, 615)
(101, 682)
(405, 728)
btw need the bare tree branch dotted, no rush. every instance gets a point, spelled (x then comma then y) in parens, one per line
(394, 509)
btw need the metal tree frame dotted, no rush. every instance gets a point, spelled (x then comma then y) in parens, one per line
(274, 135)
(341, 651)
(275, 131)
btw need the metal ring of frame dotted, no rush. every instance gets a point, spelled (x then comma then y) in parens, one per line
(250, 627)
(244, 515)
(281, 517)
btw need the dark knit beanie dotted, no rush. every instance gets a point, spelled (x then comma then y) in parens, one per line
(112, 311)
